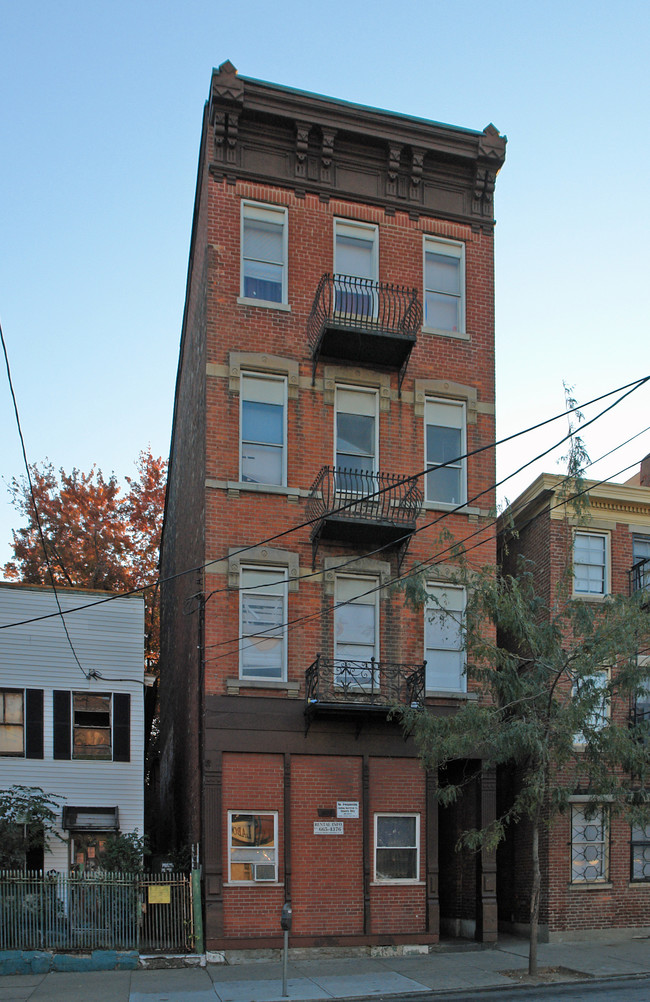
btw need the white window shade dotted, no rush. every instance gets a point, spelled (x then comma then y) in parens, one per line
(444, 645)
(355, 250)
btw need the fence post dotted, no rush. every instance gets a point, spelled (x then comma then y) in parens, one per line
(197, 911)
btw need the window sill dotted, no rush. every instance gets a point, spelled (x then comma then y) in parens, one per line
(265, 304)
(592, 885)
(253, 883)
(245, 485)
(234, 685)
(450, 694)
(464, 509)
(590, 598)
(457, 335)
(398, 883)
(639, 885)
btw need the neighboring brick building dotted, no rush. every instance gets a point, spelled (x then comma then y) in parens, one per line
(595, 870)
(338, 341)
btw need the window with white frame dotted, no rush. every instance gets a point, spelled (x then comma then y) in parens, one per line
(264, 253)
(252, 847)
(590, 563)
(356, 439)
(12, 722)
(640, 853)
(444, 643)
(356, 630)
(445, 449)
(356, 255)
(589, 844)
(263, 609)
(592, 691)
(263, 429)
(397, 847)
(444, 285)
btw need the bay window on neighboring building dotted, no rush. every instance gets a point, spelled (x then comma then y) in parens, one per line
(263, 614)
(590, 571)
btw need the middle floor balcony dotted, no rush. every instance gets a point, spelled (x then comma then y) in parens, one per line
(363, 507)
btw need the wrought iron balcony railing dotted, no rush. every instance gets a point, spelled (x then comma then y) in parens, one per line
(351, 495)
(639, 576)
(358, 319)
(334, 683)
(358, 506)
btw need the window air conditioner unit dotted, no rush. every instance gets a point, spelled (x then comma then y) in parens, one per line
(263, 871)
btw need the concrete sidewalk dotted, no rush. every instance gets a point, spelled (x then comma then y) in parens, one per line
(321, 976)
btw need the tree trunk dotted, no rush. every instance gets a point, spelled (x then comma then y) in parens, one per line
(534, 899)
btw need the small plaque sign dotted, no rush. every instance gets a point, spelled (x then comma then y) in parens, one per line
(347, 808)
(328, 827)
(159, 894)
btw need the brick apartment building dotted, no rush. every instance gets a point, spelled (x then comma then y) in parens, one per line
(337, 343)
(595, 868)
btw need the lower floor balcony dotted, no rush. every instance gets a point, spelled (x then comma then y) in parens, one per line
(337, 685)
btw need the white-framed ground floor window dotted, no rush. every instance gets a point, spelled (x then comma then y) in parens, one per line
(252, 847)
(397, 848)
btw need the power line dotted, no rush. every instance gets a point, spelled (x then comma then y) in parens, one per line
(630, 387)
(416, 569)
(36, 513)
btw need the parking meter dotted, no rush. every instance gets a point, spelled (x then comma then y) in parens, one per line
(285, 922)
(285, 918)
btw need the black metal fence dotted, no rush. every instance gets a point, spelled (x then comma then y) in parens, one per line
(117, 911)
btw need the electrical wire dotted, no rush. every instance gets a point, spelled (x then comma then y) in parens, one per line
(629, 387)
(86, 674)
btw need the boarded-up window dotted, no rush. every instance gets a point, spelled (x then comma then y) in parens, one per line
(91, 725)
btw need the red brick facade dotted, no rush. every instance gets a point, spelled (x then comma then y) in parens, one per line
(251, 746)
(619, 513)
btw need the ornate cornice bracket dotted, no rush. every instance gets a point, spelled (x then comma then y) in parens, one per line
(302, 146)
(417, 166)
(226, 103)
(327, 155)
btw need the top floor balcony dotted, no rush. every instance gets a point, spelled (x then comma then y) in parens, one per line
(360, 320)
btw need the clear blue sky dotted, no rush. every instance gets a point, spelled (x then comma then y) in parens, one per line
(100, 118)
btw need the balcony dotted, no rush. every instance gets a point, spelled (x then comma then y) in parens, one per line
(364, 508)
(359, 320)
(340, 686)
(639, 578)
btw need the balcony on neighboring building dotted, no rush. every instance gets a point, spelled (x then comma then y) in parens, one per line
(360, 320)
(366, 508)
(338, 686)
(639, 578)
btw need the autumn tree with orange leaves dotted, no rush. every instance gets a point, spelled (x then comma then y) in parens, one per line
(96, 535)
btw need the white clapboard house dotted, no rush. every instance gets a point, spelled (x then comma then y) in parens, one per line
(77, 734)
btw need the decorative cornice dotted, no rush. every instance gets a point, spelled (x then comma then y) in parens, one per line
(264, 133)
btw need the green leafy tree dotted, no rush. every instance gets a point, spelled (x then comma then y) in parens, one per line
(555, 691)
(27, 824)
(124, 852)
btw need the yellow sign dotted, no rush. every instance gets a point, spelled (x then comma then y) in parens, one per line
(159, 894)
